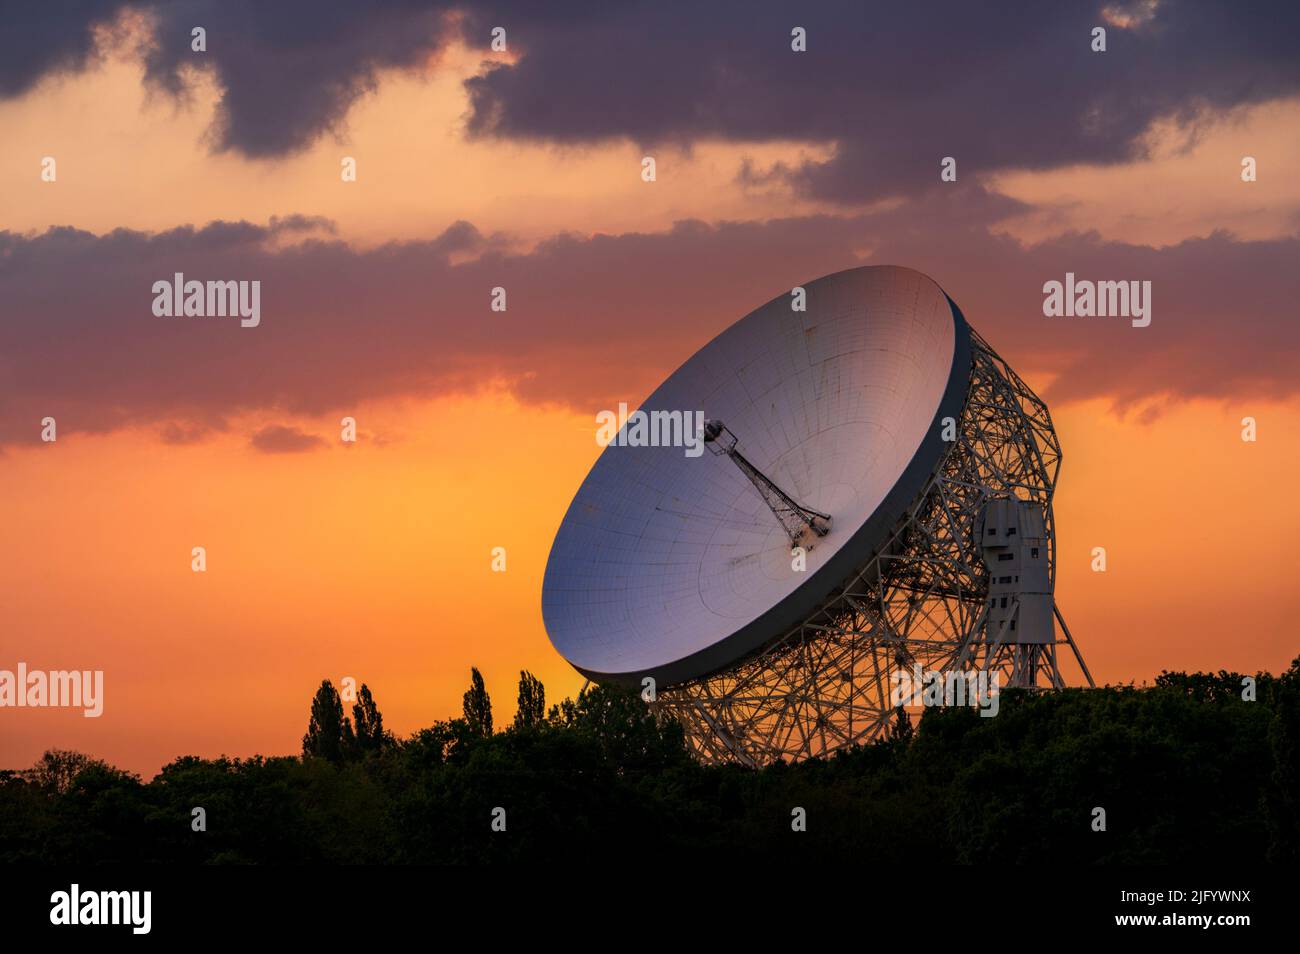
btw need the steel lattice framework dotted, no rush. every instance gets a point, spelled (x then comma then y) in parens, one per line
(921, 600)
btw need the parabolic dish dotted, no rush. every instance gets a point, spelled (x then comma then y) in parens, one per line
(674, 567)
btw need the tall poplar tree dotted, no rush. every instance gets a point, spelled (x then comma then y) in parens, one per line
(477, 705)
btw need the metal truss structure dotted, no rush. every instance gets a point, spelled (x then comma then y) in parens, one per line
(920, 601)
(800, 522)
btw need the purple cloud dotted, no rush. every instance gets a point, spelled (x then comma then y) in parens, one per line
(589, 321)
(282, 439)
(894, 86)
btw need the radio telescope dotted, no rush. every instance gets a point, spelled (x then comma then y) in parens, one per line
(877, 496)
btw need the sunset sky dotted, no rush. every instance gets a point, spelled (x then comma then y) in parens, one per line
(522, 169)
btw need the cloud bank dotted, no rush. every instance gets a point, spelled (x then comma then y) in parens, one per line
(591, 320)
(894, 87)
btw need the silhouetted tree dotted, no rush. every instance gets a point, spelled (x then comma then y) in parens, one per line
(477, 706)
(1282, 796)
(532, 701)
(329, 732)
(1222, 686)
(901, 730)
(625, 730)
(368, 722)
(57, 769)
(562, 713)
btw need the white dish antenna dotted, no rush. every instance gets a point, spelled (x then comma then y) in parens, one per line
(674, 566)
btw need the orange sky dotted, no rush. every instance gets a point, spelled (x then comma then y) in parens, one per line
(373, 560)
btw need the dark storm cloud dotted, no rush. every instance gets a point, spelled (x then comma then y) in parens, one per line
(41, 38)
(590, 321)
(288, 70)
(894, 86)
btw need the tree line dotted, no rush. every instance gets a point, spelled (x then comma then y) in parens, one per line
(1188, 770)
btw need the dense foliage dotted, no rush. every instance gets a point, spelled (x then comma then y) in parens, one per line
(1186, 770)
